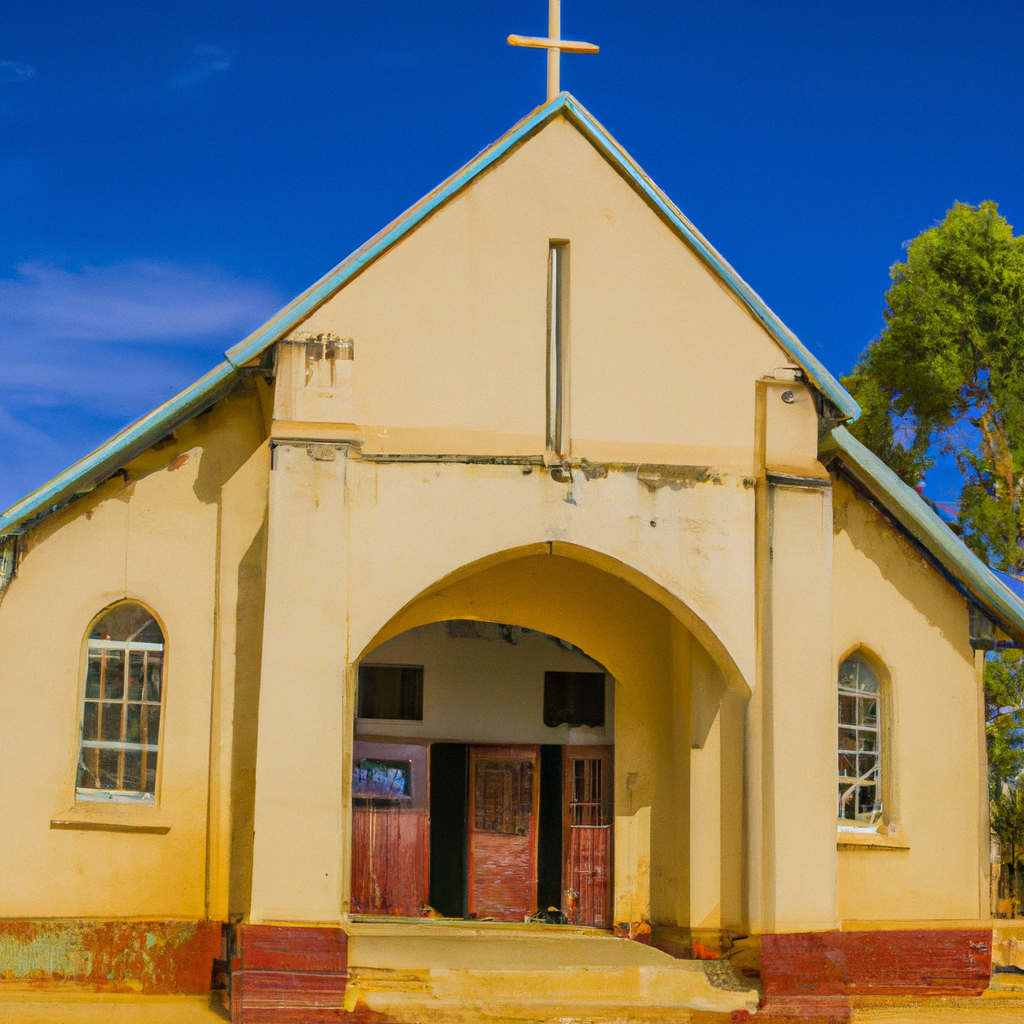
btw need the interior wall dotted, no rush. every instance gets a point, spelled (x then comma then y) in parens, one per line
(484, 689)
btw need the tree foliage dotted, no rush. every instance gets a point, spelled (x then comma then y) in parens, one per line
(1004, 711)
(947, 376)
(947, 373)
(1004, 714)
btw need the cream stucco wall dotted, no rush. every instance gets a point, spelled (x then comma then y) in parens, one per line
(154, 535)
(484, 689)
(449, 326)
(890, 604)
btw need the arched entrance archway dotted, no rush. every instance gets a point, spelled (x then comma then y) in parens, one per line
(498, 588)
(669, 696)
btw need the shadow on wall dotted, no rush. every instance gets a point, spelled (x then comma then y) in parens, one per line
(248, 659)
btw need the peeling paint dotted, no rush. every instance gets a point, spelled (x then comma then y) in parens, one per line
(43, 953)
(654, 476)
(148, 958)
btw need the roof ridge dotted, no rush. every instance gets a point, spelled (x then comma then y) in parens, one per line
(134, 439)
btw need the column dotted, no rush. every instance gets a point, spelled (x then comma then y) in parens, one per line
(301, 761)
(798, 702)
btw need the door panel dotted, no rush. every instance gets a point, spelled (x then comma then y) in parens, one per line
(389, 829)
(587, 835)
(504, 791)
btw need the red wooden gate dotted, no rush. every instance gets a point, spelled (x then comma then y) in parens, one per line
(587, 835)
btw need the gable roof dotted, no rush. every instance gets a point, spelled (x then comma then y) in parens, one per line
(915, 515)
(136, 438)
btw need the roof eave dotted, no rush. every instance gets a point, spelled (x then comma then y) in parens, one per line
(567, 105)
(814, 369)
(924, 524)
(88, 473)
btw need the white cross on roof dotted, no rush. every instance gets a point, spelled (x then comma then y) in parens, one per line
(554, 44)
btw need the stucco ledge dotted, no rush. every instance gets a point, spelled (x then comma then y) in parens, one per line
(885, 837)
(99, 825)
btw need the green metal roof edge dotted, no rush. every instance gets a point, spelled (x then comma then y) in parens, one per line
(133, 440)
(124, 446)
(815, 370)
(301, 307)
(916, 516)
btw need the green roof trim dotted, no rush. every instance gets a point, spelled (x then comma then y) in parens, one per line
(926, 526)
(135, 439)
(124, 446)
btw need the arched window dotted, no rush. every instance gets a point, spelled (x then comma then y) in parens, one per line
(860, 744)
(121, 706)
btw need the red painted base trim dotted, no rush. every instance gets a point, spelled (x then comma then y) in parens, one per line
(286, 975)
(147, 957)
(920, 962)
(804, 1010)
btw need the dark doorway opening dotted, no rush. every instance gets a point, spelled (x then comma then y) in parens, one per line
(449, 807)
(549, 849)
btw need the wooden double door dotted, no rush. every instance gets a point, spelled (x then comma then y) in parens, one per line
(503, 816)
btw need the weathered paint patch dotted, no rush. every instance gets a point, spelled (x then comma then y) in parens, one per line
(147, 957)
(32, 953)
(919, 962)
(293, 974)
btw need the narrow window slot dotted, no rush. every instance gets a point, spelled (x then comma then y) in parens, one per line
(558, 348)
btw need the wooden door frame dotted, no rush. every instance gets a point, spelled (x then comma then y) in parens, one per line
(511, 752)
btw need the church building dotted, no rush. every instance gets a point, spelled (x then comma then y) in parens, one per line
(508, 628)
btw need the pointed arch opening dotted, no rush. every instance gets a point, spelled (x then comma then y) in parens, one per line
(482, 777)
(630, 774)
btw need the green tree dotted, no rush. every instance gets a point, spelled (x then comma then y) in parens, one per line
(946, 376)
(1004, 715)
(947, 373)
(1004, 711)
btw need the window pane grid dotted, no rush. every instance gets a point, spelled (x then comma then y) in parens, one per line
(588, 806)
(859, 745)
(121, 707)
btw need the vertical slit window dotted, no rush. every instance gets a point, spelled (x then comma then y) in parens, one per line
(558, 348)
(121, 706)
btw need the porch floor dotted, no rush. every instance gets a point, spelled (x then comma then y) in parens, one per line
(57, 1007)
(520, 974)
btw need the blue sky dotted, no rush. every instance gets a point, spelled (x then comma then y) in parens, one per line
(172, 173)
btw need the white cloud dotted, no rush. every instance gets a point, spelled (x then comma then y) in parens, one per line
(84, 352)
(16, 431)
(207, 61)
(138, 301)
(15, 71)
